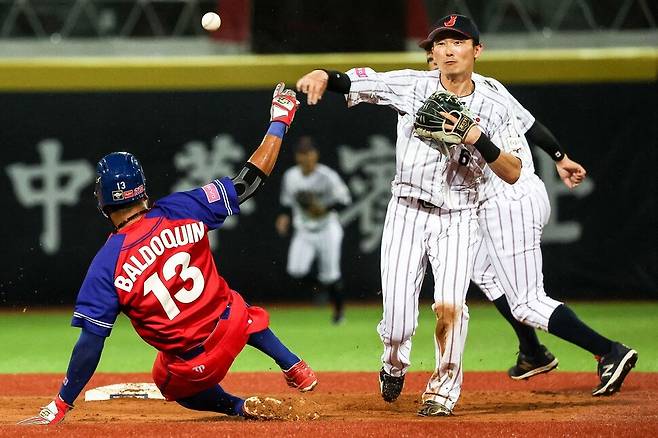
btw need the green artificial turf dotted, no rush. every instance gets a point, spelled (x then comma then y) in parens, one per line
(38, 341)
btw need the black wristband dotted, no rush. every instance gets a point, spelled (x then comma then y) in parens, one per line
(489, 151)
(338, 82)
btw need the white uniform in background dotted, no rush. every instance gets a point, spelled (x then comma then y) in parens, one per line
(508, 259)
(315, 237)
(431, 217)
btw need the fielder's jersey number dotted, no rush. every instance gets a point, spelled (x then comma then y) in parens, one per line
(154, 283)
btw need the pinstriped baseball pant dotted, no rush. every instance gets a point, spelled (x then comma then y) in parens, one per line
(508, 258)
(414, 235)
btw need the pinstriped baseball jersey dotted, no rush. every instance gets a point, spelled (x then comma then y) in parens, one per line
(522, 120)
(446, 176)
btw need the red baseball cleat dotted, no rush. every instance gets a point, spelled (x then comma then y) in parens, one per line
(301, 376)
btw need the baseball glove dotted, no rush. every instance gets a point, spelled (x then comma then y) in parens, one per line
(305, 199)
(430, 123)
(310, 204)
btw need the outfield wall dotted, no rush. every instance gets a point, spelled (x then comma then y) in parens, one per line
(192, 119)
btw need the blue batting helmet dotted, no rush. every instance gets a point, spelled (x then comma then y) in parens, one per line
(120, 180)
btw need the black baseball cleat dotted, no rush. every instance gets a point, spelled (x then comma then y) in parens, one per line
(527, 366)
(613, 369)
(390, 386)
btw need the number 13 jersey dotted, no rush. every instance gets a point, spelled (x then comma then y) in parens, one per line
(160, 272)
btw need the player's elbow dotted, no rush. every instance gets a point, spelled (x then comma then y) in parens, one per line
(512, 171)
(513, 176)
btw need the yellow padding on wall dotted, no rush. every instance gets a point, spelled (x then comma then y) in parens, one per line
(263, 71)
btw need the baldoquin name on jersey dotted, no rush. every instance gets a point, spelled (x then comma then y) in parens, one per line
(167, 239)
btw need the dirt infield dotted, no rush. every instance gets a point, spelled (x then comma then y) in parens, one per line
(557, 404)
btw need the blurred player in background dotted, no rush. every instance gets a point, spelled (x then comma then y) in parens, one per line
(431, 216)
(311, 193)
(157, 268)
(508, 261)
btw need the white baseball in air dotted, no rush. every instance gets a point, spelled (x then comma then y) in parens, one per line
(211, 21)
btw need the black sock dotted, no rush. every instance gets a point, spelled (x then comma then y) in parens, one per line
(335, 290)
(564, 324)
(528, 342)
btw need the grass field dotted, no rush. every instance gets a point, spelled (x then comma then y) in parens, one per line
(38, 341)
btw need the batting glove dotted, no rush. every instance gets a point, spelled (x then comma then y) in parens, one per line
(51, 414)
(284, 105)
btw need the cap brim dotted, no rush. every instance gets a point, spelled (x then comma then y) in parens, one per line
(427, 43)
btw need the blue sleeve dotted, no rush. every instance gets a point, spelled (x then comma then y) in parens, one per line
(84, 360)
(97, 305)
(211, 204)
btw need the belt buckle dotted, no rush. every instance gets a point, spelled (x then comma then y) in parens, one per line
(426, 204)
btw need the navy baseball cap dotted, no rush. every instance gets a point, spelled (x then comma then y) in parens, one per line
(120, 180)
(305, 144)
(454, 23)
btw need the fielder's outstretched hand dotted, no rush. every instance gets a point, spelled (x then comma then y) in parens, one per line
(314, 84)
(571, 173)
(284, 105)
(50, 414)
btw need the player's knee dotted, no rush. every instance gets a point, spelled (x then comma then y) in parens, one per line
(400, 337)
(396, 337)
(449, 313)
(448, 316)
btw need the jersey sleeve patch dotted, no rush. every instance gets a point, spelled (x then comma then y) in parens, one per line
(212, 194)
(211, 203)
(361, 72)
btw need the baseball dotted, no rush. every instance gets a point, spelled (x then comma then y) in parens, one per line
(211, 21)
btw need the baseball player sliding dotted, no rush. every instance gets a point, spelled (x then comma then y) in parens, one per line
(431, 216)
(157, 268)
(508, 260)
(311, 192)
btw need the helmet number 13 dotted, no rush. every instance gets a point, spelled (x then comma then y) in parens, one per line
(154, 284)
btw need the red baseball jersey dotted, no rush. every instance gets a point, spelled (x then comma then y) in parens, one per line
(160, 271)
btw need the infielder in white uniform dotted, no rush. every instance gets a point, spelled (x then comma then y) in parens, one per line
(310, 193)
(508, 261)
(533, 358)
(432, 214)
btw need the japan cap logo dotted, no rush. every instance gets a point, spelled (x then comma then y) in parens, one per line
(451, 21)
